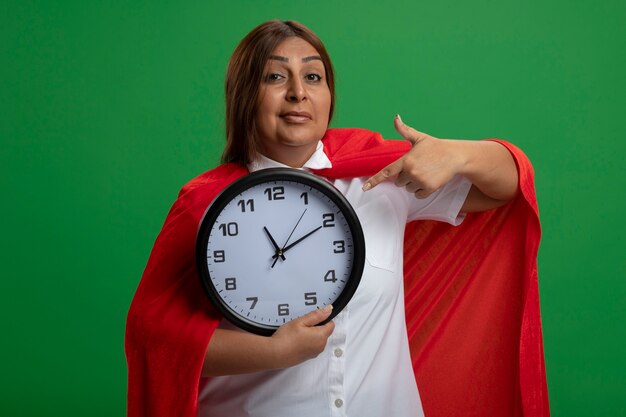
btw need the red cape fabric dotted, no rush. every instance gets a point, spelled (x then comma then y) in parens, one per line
(471, 293)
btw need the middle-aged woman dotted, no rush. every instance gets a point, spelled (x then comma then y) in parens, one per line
(280, 100)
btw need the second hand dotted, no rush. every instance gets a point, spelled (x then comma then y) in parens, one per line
(290, 234)
(294, 228)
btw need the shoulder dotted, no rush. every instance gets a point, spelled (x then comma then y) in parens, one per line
(351, 140)
(336, 138)
(197, 194)
(214, 177)
(359, 152)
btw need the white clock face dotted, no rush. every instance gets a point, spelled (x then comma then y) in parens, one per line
(280, 249)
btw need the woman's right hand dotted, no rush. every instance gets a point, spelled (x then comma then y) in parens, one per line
(232, 352)
(301, 339)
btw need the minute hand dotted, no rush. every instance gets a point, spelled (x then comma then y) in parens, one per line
(299, 240)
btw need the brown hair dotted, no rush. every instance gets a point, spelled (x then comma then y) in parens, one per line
(243, 81)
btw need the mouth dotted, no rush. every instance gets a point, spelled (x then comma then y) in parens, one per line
(296, 117)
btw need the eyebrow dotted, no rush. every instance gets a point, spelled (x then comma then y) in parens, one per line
(305, 59)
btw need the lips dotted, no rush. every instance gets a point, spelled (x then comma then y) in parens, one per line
(296, 116)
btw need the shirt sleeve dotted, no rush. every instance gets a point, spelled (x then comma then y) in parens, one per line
(443, 205)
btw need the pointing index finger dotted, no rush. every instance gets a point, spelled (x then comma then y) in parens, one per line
(389, 171)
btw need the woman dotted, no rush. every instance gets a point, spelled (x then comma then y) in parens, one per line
(280, 99)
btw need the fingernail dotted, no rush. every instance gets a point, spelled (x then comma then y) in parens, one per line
(367, 186)
(399, 118)
(328, 308)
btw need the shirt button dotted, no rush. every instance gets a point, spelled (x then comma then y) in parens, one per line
(338, 352)
(338, 402)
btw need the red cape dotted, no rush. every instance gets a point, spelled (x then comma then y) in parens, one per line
(472, 302)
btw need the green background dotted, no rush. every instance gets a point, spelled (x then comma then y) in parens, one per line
(107, 108)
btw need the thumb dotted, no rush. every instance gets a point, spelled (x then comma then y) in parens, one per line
(316, 316)
(407, 132)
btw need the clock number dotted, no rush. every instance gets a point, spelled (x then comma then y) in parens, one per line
(340, 246)
(219, 256)
(230, 283)
(230, 229)
(275, 193)
(330, 276)
(283, 309)
(254, 301)
(310, 298)
(328, 220)
(305, 197)
(244, 203)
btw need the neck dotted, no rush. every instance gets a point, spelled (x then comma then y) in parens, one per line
(294, 157)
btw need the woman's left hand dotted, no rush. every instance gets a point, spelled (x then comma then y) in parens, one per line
(432, 162)
(429, 165)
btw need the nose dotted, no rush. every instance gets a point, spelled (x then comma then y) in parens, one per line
(296, 91)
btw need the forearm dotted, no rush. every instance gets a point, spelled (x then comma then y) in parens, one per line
(233, 352)
(489, 166)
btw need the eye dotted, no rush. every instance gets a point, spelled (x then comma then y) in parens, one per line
(273, 77)
(313, 77)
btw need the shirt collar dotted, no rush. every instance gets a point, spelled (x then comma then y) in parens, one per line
(319, 160)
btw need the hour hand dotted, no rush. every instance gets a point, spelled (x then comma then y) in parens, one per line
(279, 252)
(286, 248)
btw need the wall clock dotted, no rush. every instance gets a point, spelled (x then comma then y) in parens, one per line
(277, 244)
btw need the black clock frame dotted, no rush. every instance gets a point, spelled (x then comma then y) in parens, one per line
(267, 176)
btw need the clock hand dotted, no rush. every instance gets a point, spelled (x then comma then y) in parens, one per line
(294, 229)
(285, 249)
(278, 250)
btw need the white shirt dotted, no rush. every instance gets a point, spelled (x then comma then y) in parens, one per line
(365, 369)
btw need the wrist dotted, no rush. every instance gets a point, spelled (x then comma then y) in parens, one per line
(278, 352)
(462, 154)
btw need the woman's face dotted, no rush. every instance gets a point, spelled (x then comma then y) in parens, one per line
(294, 103)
